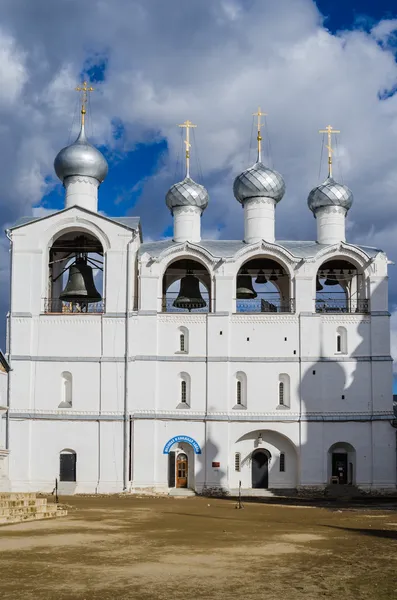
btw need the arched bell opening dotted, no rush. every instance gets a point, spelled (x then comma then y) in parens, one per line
(340, 288)
(263, 285)
(186, 287)
(75, 274)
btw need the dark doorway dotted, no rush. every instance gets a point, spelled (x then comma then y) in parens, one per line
(339, 466)
(260, 469)
(67, 467)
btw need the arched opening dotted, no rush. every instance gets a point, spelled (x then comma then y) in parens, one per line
(184, 390)
(183, 340)
(342, 464)
(186, 287)
(66, 390)
(260, 468)
(284, 390)
(75, 274)
(67, 465)
(341, 340)
(240, 393)
(263, 285)
(340, 288)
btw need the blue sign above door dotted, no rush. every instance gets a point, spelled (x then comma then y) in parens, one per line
(182, 438)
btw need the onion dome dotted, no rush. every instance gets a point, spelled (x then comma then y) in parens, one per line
(81, 158)
(259, 182)
(187, 193)
(330, 193)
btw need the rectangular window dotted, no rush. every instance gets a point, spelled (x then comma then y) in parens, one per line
(238, 393)
(281, 393)
(282, 462)
(237, 461)
(182, 343)
(183, 391)
(338, 343)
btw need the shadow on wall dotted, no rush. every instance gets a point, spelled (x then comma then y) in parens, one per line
(211, 478)
(342, 383)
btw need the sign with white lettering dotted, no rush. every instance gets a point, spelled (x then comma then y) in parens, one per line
(182, 438)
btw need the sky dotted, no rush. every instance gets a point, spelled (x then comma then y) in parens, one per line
(154, 64)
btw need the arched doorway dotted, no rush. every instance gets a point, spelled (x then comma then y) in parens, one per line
(260, 469)
(182, 471)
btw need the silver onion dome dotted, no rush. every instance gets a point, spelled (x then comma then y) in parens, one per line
(330, 193)
(259, 182)
(81, 158)
(187, 193)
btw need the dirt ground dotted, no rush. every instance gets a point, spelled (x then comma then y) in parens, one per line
(172, 548)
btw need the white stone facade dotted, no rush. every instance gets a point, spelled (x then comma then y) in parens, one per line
(117, 373)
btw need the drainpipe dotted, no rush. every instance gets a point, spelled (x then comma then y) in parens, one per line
(126, 370)
(7, 440)
(300, 399)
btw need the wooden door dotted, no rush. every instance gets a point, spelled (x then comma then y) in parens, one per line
(181, 471)
(260, 470)
(339, 466)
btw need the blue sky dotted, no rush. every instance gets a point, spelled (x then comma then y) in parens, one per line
(155, 64)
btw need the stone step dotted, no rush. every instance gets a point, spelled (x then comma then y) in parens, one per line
(26, 510)
(17, 495)
(8, 520)
(19, 503)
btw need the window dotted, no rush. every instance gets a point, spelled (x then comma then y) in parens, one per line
(284, 390)
(281, 393)
(282, 462)
(66, 390)
(67, 465)
(183, 340)
(237, 461)
(341, 340)
(238, 392)
(183, 391)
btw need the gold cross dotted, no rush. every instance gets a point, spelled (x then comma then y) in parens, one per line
(329, 131)
(84, 97)
(187, 125)
(259, 114)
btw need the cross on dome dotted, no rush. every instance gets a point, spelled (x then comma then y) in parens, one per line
(84, 88)
(329, 130)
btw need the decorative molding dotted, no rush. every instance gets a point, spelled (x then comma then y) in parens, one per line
(259, 201)
(265, 318)
(181, 318)
(190, 249)
(280, 253)
(345, 318)
(344, 250)
(81, 179)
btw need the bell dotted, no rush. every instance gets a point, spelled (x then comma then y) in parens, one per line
(273, 276)
(319, 287)
(245, 291)
(331, 278)
(189, 296)
(80, 286)
(261, 278)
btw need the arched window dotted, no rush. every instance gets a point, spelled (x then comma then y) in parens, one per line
(284, 390)
(240, 390)
(184, 390)
(183, 340)
(66, 390)
(67, 465)
(341, 340)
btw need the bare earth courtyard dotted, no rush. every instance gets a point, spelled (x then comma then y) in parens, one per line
(173, 548)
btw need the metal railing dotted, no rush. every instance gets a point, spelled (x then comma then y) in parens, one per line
(266, 303)
(341, 305)
(55, 305)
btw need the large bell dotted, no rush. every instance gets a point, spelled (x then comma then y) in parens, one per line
(245, 291)
(331, 278)
(80, 286)
(261, 278)
(189, 296)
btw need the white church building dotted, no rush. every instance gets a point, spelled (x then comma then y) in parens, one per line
(195, 364)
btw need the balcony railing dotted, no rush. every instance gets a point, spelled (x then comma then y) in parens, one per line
(341, 305)
(55, 305)
(168, 301)
(266, 303)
